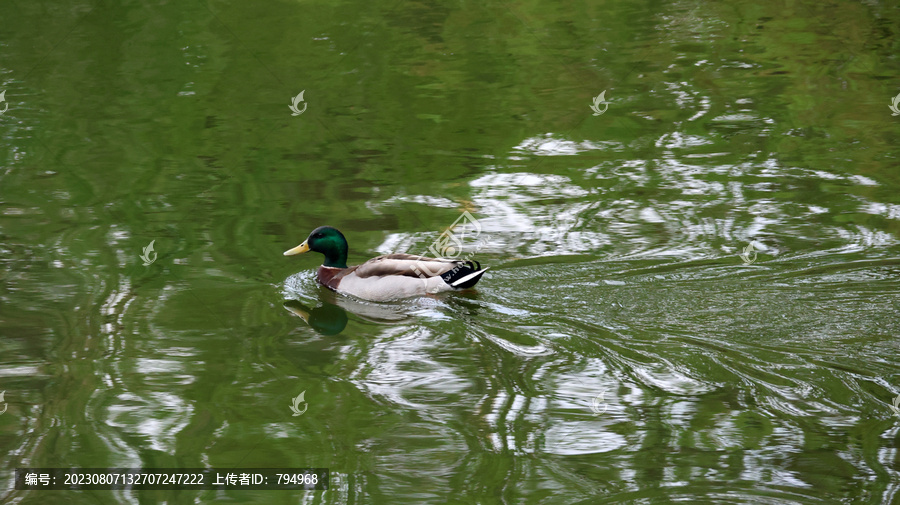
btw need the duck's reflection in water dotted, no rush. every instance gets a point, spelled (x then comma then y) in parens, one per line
(329, 317)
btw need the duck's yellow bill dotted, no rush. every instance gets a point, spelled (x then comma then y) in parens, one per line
(302, 248)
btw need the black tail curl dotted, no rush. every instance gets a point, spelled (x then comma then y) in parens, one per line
(462, 269)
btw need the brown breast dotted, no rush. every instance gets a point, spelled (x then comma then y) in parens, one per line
(329, 276)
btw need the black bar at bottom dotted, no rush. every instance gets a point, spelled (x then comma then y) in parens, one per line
(148, 479)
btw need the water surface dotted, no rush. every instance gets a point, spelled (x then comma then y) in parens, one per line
(620, 349)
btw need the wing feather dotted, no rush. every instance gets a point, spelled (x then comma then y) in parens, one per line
(406, 265)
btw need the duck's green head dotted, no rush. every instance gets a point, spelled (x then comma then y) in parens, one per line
(328, 241)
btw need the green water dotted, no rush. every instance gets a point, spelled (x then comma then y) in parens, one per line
(620, 349)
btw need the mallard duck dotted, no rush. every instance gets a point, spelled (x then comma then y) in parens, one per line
(386, 277)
